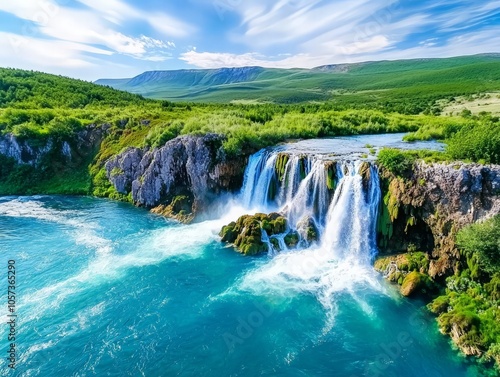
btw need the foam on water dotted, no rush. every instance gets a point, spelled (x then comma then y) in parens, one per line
(83, 231)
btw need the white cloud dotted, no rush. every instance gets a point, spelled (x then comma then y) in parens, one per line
(353, 30)
(467, 44)
(96, 26)
(218, 60)
(118, 12)
(302, 22)
(59, 57)
(21, 51)
(468, 14)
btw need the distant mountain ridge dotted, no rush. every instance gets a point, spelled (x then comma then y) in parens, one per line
(294, 85)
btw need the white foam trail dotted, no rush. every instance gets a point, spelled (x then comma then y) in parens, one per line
(311, 271)
(84, 233)
(182, 241)
(78, 323)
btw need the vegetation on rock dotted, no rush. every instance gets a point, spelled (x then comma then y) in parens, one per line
(246, 233)
(180, 208)
(409, 270)
(331, 175)
(469, 311)
(416, 282)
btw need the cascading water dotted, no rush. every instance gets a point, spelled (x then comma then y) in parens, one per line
(352, 217)
(341, 198)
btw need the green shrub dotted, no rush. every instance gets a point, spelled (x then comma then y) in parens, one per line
(396, 161)
(483, 241)
(476, 142)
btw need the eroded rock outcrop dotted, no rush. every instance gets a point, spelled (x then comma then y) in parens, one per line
(428, 208)
(73, 150)
(33, 152)
(193, 167)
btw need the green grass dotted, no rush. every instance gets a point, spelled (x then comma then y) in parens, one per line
(407, 86)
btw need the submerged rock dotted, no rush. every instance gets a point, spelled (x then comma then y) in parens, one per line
(308, 230)
(292, 240)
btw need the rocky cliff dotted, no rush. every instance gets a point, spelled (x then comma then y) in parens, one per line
(426, 209)
(34, 152)
(181, 179)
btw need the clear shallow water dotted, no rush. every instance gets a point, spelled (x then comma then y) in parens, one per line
(356, 147)
(107, 289)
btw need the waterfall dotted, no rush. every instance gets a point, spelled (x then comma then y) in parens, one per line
(340, 198)
(352, 217)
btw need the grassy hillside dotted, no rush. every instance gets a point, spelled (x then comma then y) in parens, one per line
(28, 89)
(371, 83)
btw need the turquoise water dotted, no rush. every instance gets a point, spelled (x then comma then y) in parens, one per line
(106, 289)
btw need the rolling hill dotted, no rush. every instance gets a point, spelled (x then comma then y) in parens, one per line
(363, 82)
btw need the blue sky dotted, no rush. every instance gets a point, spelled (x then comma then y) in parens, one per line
(93, 39)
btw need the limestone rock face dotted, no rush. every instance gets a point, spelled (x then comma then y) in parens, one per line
(21, 151)
(192, 166)
(28, 152)
(440, 199)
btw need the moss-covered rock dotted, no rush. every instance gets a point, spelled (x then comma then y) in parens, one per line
(308, 230)
(302, 166)
(278, 225)
(280, 165)
(385, 226)
(464, 329)
(228, 234)
(407, 262)
(440, 305)
(246, 232)
(292, 240)
(331, 175)
(275, 243)
(408, 270)
(180, 208)
(365, 171)
(415, 283)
